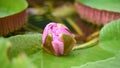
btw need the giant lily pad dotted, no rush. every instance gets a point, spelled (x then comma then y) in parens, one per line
(12, 15)
(30, 44)
(11, 7)
(99, 12)
(108, 63)
(75, 58)
(4, 45)
(19, 62)
(109, 5)
(103, 54)
(110, 41)
(110, 37)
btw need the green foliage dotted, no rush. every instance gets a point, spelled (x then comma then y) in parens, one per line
(28, 44)
(4, 45)
(103, 55)
(109, 41)
(22, 62)
(110, 5)
(110, 37)
(75, 58)
(19, 62)
(10, 7)
(108, 63)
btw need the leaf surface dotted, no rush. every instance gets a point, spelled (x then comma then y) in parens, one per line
(11, 7)
(28, 44)
(109, 5)
(110, 37)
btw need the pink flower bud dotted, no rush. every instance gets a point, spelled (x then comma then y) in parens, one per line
(57, 39)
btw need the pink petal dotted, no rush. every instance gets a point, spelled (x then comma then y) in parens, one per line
(58, 47)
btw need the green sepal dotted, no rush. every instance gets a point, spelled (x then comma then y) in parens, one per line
(68, 43)
(47, 46)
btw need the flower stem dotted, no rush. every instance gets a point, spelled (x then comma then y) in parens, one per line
(88, 44)
(93, 35)
(72, 23)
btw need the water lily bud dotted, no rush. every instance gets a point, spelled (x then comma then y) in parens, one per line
(57, 39)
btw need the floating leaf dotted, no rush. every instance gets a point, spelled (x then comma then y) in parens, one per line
(20, 62)
(29, 44)
(110, 37)
(12, 15)
(23, 43)
(109, 5)
(78, 57)
(11, 7)
(99, 12)
(110, 41)
(4, 45)
(113, 62)
(108, 45)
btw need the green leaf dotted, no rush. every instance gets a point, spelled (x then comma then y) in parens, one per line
(68, 44)
(11, 7)
(109, 5)
(109, 41)
(110, 37)
(20, 62)
(43, 59)
(29, 44)
(4, 45)
(78, 57)
(113, 62)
